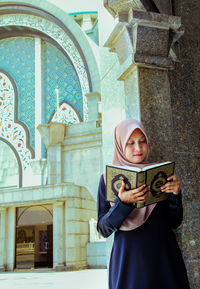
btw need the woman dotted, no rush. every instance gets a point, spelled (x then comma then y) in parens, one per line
(145, 253)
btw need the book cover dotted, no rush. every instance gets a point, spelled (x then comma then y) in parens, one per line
(152, 175)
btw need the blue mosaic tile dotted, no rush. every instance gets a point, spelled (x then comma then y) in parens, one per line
(58, 72)
(17, 59)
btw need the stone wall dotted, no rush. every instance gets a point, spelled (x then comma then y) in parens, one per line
(185, 99)
(9, 171)
(74, 153)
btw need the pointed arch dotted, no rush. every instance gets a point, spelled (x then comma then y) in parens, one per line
(42, 21)
(67, 114)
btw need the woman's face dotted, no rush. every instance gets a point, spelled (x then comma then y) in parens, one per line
(136, 148)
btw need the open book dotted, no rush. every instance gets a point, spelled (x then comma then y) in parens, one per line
(153, 175)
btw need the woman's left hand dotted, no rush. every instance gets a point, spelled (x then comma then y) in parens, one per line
(172, 186)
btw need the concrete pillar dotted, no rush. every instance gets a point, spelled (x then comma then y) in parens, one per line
(58, 236)
(77, 215)
(87, 23)
(72, 231)
(142, 42)
(2, 238)
(38, 97)
(54, 165)
(53, 135)
(10, 238)
(93, 101)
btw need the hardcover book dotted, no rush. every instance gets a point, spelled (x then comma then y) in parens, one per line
(154, 175)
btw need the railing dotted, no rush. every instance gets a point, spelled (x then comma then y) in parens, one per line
(25, 248)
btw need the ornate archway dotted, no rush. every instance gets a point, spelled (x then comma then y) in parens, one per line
(11, 130)
(58, 34)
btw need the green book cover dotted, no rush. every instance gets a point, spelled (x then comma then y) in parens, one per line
(152, 175)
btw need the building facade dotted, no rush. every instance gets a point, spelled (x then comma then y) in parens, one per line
(50, 135)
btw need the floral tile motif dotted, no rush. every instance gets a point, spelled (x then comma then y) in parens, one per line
(66, 114)
(12, 132)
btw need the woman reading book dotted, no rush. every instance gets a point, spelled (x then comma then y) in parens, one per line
(145, 253)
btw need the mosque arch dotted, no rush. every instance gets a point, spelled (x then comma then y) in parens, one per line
(33, 33)
(54, 31)
(24, 213)
(55, 15)
(11, 130)
(15, 119)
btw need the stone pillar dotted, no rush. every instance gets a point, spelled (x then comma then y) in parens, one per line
(142, 41)
(93, 101)
(10, 238)
(2, 238)
(38, 96)
(73, 234)
(79, 209)
(87, 23)
(58, 236)
(54, 164)
(53, 135)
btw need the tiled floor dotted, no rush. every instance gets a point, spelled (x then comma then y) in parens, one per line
(36, 279)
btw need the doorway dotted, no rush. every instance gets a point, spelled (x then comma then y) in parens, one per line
(34, 237)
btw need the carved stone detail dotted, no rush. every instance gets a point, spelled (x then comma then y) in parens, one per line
(147, 38)
(116, 6)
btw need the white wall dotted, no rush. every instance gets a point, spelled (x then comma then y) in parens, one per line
(9, 170)
(76, 5)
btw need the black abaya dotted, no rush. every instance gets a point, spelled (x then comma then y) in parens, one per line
(147, 257)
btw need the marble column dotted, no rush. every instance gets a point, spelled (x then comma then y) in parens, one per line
(53, 136)
(58, 236)
(2, 238)
(170, 113)
(93, 101)
(142, 41)
(76, 230)
(87, 23)
(10, 238)
(38, 96)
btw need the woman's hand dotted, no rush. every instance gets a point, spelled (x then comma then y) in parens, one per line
(172, 186)
(138, 195)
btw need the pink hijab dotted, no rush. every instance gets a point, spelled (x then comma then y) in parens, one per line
(121, 135)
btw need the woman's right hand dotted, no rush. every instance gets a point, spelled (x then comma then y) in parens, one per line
(137, 195)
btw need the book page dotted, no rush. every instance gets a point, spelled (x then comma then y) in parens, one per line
(155, 165)
(135, 169)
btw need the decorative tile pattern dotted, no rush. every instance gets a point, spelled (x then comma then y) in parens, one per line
(66, 114)
(58, 72)
(9, 130)
(60, 36)
(17, 58)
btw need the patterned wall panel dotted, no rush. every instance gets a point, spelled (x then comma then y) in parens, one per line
(17, 59)
(58, 72)
(10, 131)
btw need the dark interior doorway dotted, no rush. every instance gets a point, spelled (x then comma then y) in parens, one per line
(34, 237)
